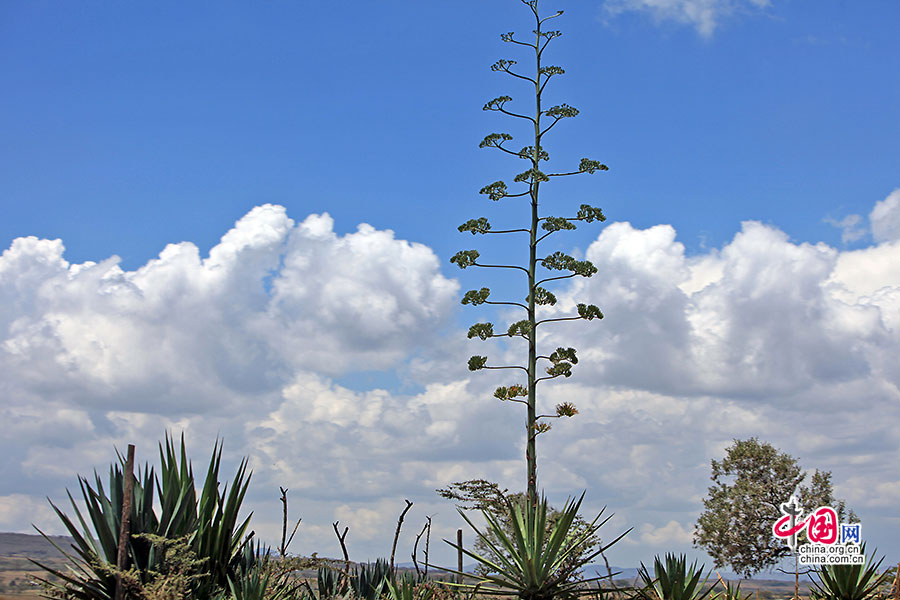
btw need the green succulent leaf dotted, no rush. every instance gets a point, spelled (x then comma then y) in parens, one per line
(481, 330)
(674, 580)
(479, 225)
(532, 554)
(476, 297)
(206, 525)
(589, 312)
(476, 363)
(848, 582)
(465, 258)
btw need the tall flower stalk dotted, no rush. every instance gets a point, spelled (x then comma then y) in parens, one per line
(560, 362)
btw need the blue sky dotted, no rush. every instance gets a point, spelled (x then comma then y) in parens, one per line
(128, 127)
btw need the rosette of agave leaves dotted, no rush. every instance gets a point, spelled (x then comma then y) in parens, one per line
(674, 579)
(183, 538)
(847, 582)
(534, 558)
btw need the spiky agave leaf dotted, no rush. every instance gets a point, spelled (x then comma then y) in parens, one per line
(529, 562)
(673, 580)
(210, 523)
(847, 582)
(90, 573)
(369, 581)
(211, 518)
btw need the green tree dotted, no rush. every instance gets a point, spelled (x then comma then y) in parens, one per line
(541, 226)
(743, 503)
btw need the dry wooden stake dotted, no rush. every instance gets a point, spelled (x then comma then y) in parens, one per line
(125, 525)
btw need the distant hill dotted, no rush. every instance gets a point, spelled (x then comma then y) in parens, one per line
(32, 546)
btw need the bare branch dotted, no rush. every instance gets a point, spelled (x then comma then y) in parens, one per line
(555, 278)
(397, 533)
(550, 126)
(585, 166)
(504, 65)
(507, 366)
(546, 81)
(558, 319)
(427, 541)
(341, 539)
(507, 304)
(286, 541)
(528, 79)
(545, 19)
(512, 114)
(510, 230)
(416, 548)
(508, 37)
(500, 267)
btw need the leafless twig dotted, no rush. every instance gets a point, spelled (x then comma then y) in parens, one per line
(397, 533)
(415, 552)
(284, 522)
(341, 539)
(426, 531)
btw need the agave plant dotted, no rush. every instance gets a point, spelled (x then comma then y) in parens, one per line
(365, 582)
(731, 592)
(847, 582)
(370, 581)
(259, 583)
(411, 588)
(91, 573)
(534, 561)
(673, 580)
(209, 522)
(331, 583)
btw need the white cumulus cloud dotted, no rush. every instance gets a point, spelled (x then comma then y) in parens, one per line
(885, 218)
(704, 15)
(259, 344)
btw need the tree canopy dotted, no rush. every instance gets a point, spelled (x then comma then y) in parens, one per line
(749, 486)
